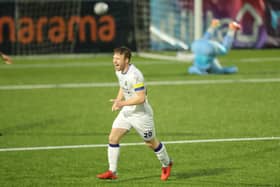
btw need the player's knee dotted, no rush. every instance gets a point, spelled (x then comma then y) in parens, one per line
(149, 144)
(152, 143)
(113, 139)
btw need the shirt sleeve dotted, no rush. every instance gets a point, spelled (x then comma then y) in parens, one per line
(138, 82)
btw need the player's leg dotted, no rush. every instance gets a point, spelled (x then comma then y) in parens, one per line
(114, 147)
(159, 150)
(120, 127)
(194, 70)
(113, 153)
(216, 68)
(228, 39)
(222, 49)
(144, 125)
(162, 156)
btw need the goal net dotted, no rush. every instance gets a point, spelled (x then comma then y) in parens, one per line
(40, 26)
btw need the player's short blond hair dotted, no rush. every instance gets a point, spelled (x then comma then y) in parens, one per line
(123, 51)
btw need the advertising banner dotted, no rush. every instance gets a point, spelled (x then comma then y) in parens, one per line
(172, 22)
(259, 20)
(39, 27)
(273, 23)
(250, 13)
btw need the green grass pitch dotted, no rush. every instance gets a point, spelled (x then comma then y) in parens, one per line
(245, 105)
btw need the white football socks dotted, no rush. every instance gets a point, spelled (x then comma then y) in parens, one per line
(114, 152)
(113, 156)
(162, 155)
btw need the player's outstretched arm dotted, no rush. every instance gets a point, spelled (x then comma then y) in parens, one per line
(6, 58)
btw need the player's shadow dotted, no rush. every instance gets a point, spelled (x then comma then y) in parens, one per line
(137, 178)
(25, 129)
(202, 173)
(31, 125)
(182, 175)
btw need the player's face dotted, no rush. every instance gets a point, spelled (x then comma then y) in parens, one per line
(120, 62)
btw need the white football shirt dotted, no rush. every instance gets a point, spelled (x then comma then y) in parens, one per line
(131, 82)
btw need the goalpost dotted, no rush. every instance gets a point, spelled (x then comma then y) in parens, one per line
(198, 19)
(173, 25)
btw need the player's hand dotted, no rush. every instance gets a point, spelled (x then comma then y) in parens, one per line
(116, 104)
(6, 58)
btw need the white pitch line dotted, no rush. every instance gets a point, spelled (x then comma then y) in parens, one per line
(77, 64)
(260, 59)
(152, 83)
(137, 144)
(56, 65)
(49, 86)
(171, 60)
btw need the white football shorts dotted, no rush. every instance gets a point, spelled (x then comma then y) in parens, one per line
(142, 122)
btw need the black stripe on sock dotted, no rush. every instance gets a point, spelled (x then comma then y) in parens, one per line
(114, 145)
(158, 148)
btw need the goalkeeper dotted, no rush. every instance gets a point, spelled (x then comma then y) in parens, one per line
(206, 50)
